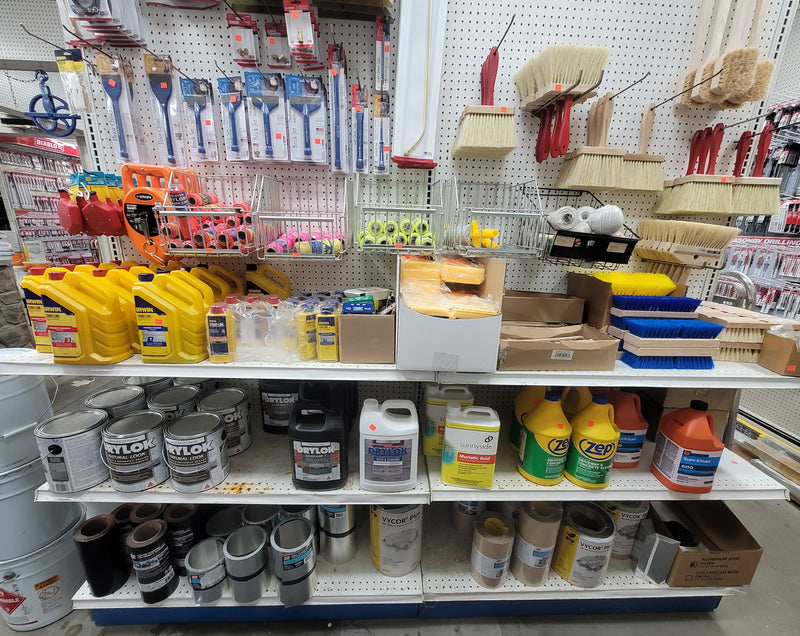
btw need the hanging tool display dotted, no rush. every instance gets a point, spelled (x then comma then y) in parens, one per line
(234, 118)
(267, 116)
(307, 119)
(359, 103)
(165, 109)
(337, 84)
(201, 139)
(54, 118)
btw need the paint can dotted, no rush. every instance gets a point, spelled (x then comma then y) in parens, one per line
(627, 516)
(295, 560)
(118, 401)
(232, 406)
(152, 565)
(337, 533)
(195, 450)
(395, 538)
(246, 561)
(205, 566)
(37, 588)
(133, 451)
(584, 545)
(205, 385)
(175, 402)
(183, 531)
(150, 385)
(69, 445)
(25, 403)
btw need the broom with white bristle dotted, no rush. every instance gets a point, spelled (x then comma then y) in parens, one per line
(487, 131)
(756, 195)
(643, 172)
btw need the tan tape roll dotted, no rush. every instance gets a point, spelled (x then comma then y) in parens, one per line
(492, 544)
(464, 515)
(537, 532)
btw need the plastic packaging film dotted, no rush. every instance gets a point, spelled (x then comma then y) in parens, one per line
(583, 549)
(464, 515)
(627, 515)
(98, 549)
(537, 532)
(492, 544)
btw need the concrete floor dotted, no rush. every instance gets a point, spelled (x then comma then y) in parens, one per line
(770, 605)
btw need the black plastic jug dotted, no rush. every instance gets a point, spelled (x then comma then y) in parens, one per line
(318, 440)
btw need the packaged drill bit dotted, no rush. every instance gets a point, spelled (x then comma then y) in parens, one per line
(359, 106)
(337, 87)
(381, 133)
(234, 118)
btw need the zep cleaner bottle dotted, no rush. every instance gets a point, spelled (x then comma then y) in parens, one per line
(436, 399)
(389, 445)
(574, 399)
(594, 442)
(545, 442)
(524, 402)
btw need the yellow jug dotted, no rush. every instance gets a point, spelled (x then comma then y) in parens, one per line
(545, 442)
(32, 286)
(234, 282)
(524, 402)
(219, 286)
(192, 281)
(122, 282)
(594, 442)
(266, 279)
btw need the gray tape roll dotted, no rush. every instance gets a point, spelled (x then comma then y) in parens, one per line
(246, 560)
(205, 569)
(295, 560)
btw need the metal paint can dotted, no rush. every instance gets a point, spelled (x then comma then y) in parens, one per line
(69, 445)
(337, 533)
(150, 385)
(395, 538)
(195, 450)
(206, 385)
(232, 406)
(133, 450)
(118, 401)
(175, 402)
(585, 541)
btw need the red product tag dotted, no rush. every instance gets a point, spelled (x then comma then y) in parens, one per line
(112, 83)
(271, 40)
(237, 37)
(295, 15)
(163, 85)
(318, 141)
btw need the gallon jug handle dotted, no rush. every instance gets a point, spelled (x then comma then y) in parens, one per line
(403, 405)
(479, 410)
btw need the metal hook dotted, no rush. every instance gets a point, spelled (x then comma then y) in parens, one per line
(236, 13)
(96, 48)
(631, 85)
(508, 28)
(231, 83)
(559, 95)
(744, 121)
(708, 79)
(55, 46)
(591, 88)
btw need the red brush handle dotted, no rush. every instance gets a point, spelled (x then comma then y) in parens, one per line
(555, 148)
(694, 151)
(488, 77)
(763, 147)
(742, 148)
(543, 140)
(716, 143)
(563, 136)
(705, 149)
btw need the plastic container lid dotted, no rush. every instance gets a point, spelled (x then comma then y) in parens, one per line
(600, 399)
(99, 273)
(217, 308)
(552, 396)
(698, 405)
(37, 271)
(146, 278)
(56, 275)
(233, 299)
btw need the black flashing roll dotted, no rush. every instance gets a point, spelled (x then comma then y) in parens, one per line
(184, 530)
(147, 512)
(152, 564)
(99, 551)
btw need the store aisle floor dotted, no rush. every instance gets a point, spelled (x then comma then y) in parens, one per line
(770, 606)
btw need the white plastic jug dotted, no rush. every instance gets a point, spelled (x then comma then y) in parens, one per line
(389, 445)
(436, 399)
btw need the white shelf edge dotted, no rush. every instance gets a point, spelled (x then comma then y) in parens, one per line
(535, 594)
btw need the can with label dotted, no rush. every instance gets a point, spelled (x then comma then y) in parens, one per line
(150, 385)
(206, 385)
(277, 400)
(118, 401)
(395, 538)
(318, 447)
(69, 445)
(195, 451)
(627, 515)
(175, 402)
(133, 450)
(470, 446)
(585, 541)
(232, 406)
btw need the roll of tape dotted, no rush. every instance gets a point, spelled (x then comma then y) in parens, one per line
(565, 218)
(421, 226)
(464, 515)
(246, 561)
(406, 226)
(295, 560)
(536, 540)
(98, 550)
(492, 544)
(377, 227)
(205, 567)
(392, 227)
(184, 530)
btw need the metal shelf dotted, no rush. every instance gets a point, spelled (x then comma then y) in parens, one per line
(354, 582)
(446, 575)
(260, 475)
(735, 479)
(728, 375)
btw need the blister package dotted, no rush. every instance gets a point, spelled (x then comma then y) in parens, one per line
(359, 108)
(116, 74)
(165, 102)
(381, 133)
(234, 118)
(72, 72)
(244, 33)
(339, 100)
(278, 54)
(267, 116)
(308, 132)
(201, 128)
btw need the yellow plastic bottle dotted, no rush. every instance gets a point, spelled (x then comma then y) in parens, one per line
(266, 279)
(171, 319)
(121, 283)
(169, 266)
(32, 286)
(234, 282)
(85, 320)
(328, 335)
(108, 265)
(594, 442)
(545, 442)
(524, 402)
(221, 332)
(130, 264)
(219, 286)
(196, 283)
(574, 399)
(85, 268)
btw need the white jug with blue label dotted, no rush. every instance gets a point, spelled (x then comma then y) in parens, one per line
(389, 445)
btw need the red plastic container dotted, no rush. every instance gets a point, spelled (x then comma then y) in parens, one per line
(632, 427)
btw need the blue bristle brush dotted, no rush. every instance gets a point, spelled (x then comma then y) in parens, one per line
(673, 328)
(655, 303)
(667, 362)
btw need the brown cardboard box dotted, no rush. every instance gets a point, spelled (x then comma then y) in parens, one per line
(548, 348)
(366, 338)
(780, 355)
(539, 307)
(733, 552)
(680, 398)
(653, 410)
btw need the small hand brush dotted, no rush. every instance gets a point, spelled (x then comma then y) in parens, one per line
(701, 93)
(735, 71)
(703, 25)
(762, 71)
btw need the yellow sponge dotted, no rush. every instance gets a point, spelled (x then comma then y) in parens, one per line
(419, 268)
(459, 270)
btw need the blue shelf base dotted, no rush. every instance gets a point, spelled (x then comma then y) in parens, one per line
(448, 609)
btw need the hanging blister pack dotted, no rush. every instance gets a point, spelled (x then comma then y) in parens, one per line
(244, 33)
(234, 118)
(72, 72)
(381, 133)
(198, 112)
(267, 115)
(116, 74)
(382, 53)
(302, 31)
(93, 11)
(165, 101)
(308, 132)
(339, 99)
(278, 54)
(359, 109)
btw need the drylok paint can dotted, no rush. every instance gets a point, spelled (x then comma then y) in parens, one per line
(231, 405)
(295, 560)
(150, 385)
(337, 532)
(537, 532)
(277, 401)
(69, 445)
(492, 544)
(627, 515)
(395, 538)
(584, 545)
(195, 449)
(133, 450)
(175, 402)
(205, 567)
(118, 401)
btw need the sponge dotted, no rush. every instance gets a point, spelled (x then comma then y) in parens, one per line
(459, 270)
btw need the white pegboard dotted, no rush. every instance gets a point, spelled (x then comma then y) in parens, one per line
(778, 409)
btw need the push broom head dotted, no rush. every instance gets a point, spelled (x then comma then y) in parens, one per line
(637, 283)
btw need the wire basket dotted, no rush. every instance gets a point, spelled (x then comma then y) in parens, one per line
(494, 218)
(394, 214)
(305, 218)
(192, 221)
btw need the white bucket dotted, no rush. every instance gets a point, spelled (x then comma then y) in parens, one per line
(36, 589)
(25, 401)
(27, 525)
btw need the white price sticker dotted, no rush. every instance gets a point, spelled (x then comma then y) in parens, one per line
(562, 354)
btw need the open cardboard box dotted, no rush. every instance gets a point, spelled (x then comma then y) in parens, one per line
(540, 307)
(780, 355)
(555, 348)
(428, 343)
(366, 338)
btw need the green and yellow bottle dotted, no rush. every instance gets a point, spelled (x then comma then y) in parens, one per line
(524, 402)
(544, 442)
(594, 443)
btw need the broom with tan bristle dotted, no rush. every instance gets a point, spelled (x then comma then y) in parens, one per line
(643, 172)
(701, 93)
(703, 25)
(735, 70)
(683, 243)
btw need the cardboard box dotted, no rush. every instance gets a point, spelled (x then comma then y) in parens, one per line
(678, 398)
(780, 355)
(733, 553)
(366, 338)
(428, 343)
(547, 348)
(653, 411)
(540, 307)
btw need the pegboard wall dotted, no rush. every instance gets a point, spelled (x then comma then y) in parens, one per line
(646, 37)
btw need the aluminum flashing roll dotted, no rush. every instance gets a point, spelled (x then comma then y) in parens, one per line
(205, 567)
(223, 523)
(295, 560)
(337, 534)
(246, 560)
